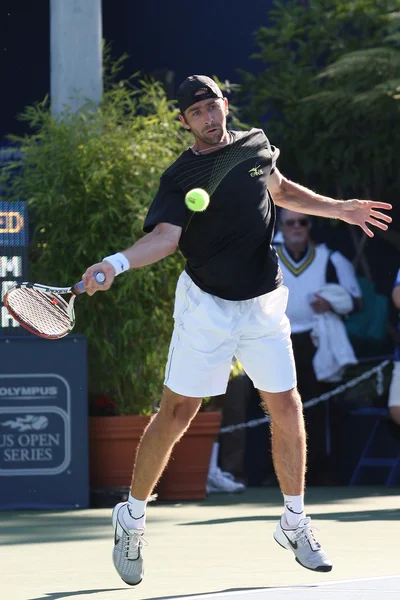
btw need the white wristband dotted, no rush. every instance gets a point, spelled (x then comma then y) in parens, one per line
(119, 262)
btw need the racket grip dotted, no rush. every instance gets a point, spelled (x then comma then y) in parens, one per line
(100, 277)
(79, 288)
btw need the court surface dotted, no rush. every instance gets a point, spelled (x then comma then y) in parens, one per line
(218, 549)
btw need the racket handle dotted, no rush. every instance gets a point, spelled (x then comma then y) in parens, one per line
(79, 288)
(100, 277)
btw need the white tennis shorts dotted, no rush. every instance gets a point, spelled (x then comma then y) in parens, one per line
(394, 390)
(210, 331)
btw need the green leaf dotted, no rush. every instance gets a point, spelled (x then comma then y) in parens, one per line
(89, 179)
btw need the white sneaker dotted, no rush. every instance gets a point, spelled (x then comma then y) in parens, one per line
(127, 553)
(218, 483)
(301, 541)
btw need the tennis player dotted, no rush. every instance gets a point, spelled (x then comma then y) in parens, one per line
(230, 301)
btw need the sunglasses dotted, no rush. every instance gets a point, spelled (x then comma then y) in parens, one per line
(292, 222)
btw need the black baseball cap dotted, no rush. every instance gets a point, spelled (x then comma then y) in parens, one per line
(188, 91)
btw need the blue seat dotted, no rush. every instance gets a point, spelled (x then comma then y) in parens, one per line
(381, 417)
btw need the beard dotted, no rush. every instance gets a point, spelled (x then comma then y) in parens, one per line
(213, 138)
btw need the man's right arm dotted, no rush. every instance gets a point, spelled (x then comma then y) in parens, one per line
(156, 245)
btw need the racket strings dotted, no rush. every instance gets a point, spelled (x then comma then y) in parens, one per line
(46, 313)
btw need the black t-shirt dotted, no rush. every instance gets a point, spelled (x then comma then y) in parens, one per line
(228, 246)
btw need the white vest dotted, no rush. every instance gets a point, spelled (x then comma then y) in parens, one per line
(303, 278)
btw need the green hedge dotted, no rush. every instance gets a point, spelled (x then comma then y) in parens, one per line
(89, 179)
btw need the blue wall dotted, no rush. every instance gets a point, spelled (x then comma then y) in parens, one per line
(215, 38)
(211, 38)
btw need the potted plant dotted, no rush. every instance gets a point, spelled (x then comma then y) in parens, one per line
(185, 477)
(89, 178)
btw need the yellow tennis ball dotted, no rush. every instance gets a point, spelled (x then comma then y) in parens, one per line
(197, 200)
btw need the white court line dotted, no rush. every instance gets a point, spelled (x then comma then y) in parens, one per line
(274, 590)
(341, 581)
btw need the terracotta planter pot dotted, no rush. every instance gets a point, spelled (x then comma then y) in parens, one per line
(113, 443)
(185, 477)
(112, 447)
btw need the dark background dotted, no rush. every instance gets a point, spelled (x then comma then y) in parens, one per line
(213, 39)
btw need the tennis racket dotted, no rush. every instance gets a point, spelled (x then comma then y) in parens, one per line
(42, 310)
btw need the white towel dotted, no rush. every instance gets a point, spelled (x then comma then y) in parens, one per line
(329, 335)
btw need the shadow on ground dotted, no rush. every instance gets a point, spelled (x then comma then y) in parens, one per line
(43, 527)
(62, 526)
(389, 514)
(269, 496)
(227, 590)
(76, 594)
(205, 594)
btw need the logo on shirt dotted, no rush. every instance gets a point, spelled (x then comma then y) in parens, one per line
(256, 171)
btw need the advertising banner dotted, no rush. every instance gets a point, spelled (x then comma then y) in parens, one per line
(43, 423)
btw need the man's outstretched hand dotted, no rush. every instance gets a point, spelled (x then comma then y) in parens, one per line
(364, 213)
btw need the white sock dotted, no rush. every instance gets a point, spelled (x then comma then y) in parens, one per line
(135, 515)
(214, 457)
(294, 509)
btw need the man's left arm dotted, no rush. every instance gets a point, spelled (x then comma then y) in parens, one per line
(294, 196)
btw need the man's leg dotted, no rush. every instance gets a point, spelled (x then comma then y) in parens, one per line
(319, 469)
(164, 430)
(266, 353)
(288, 439)
(294, 530)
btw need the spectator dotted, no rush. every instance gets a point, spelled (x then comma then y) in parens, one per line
(307, 269)
(394, 391)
